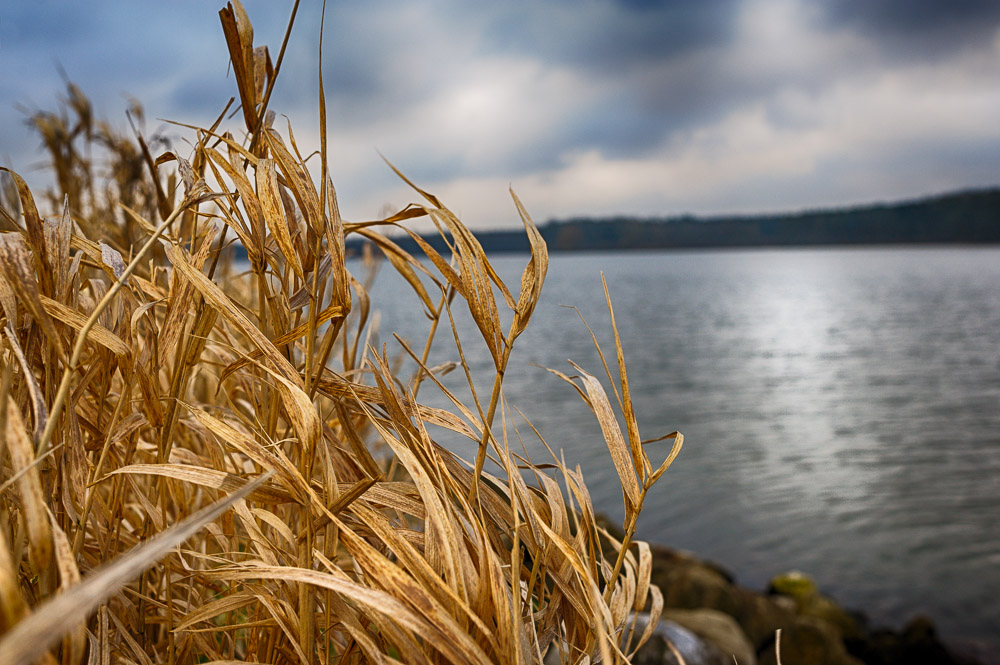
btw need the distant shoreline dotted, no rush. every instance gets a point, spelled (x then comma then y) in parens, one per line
(960, 218)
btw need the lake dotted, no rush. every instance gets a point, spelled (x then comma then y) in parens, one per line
(841, 409)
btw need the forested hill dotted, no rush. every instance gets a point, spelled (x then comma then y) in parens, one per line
(970, 217)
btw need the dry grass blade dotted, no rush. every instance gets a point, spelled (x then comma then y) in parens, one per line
(274, 213)
(405, 265)
(76, 320)
(298, 181)
(220, 480)
(534, 273)
(38, 406)
(22, 456)
(620, 453)
(12, 606)
(640, 461)
(239, 37)
(328, 314)
(18, 269)
(31, 637)
(285, 470)
(446, 635)
(36, 231)
(216, 298)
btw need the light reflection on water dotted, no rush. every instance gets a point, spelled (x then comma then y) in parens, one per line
(841, 410)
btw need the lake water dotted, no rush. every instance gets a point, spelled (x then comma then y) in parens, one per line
(841, 409)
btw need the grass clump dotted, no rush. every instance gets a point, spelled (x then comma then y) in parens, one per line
(204, 466)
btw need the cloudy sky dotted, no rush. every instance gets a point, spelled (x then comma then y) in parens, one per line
(584, 107)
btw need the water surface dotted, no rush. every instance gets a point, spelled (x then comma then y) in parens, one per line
(841, 409)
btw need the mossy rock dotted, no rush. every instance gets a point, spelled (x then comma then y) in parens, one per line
(797, 585)
(810, 602)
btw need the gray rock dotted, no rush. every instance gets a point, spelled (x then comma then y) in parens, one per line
(694, 586)
(719, 629)
(761, 616)
(693, 649)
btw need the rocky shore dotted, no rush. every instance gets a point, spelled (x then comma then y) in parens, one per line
(711, 620)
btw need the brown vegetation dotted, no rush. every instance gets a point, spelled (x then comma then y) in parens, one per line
(198, 465)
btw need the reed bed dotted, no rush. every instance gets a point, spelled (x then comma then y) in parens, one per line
(200, 465)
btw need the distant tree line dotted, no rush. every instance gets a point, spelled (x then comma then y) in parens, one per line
(969, 217)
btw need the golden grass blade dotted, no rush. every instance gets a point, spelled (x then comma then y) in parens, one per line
(57, 242)
(112, 259)
(97, 334)
(271, 459)
(219, 480)
(38, 407)
(299, 181)
(239, 38)
(300, 410)
(36, 231)
(130, 646)
(301, 297)
(16, 264)
(264, 547)
(12, 605)
(373, 652)
(620, 452)
(345, 496)
(639, 458)
(644, 575)
(215, 297)
(335, 246)
(32, 636)
(275, 523)
(216, 607)
(442, 266)
(405, 265)
(252, 242)
(297, 333)
(444, 636)
(22, 456)
(69, 576)
(8, 301)
(69, 572)
(534, 273)
(338, 388)
(274, 213)
(442, 537)
(675, 450)
(180, 301)
(398, 496)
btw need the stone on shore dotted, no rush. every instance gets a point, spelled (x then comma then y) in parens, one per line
(809, 640)
(810, 602)
(816, 630)
(688, 583)
(720, 629)
(692, 648)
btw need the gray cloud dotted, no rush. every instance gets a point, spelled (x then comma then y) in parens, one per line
(617, 105)
(609, 38)
(917, 29)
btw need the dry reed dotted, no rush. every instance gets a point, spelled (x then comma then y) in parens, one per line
(188, 468)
